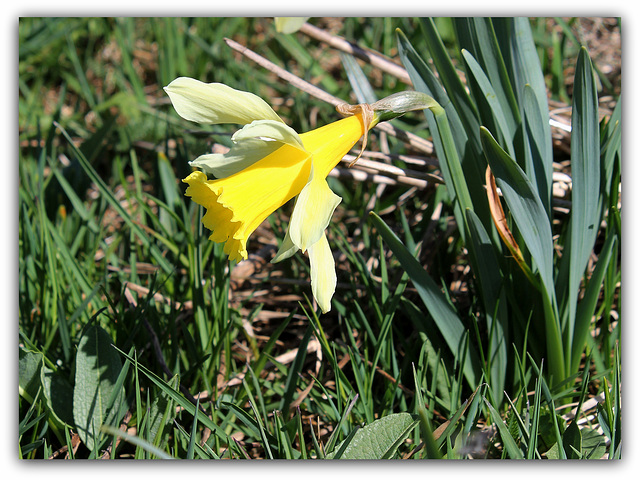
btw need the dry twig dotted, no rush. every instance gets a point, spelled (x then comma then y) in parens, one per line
(371, 57)
(412, 139)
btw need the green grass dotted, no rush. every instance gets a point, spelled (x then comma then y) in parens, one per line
(137, 339)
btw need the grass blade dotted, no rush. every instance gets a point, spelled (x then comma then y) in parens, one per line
(108, 195)
(508, 441)
(440, 309)
(358, 80)
(111, 430)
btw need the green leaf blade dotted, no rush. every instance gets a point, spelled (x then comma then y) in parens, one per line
(586, 197)
(525, 206)
(442, 312)
(380, 439)
(97, 369)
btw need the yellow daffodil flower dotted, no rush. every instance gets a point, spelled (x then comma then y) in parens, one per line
(268, 165)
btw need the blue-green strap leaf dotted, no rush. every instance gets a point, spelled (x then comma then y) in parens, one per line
(586, 196)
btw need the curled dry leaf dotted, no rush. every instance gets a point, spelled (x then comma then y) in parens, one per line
(499, 218)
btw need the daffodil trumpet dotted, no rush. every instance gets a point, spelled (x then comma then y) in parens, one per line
(269, 164)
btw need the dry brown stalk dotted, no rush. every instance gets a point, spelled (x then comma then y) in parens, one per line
(373, 58)
(412, 139)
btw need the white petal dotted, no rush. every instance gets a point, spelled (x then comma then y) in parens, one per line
(323, 273)
(287, 249)
(251, 143)
(239, 157)
(201, 102)
(276, 131)
(313, 210)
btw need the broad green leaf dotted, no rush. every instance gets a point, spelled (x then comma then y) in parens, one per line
(29, 366)
(97, 369)
(444, 315)
(476, 34)
(572, 441)
(524, 206)
(587, 306)
(357, 79)
(59, 394)
(380, 439)
(586, 194)
(593, 444)
(538, 162)
(490, 281)
(494, 116)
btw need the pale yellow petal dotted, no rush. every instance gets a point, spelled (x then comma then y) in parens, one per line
(201, 102)
(252, 143)
(323, 273)
(313, 210)
(287, 249)
(289, 24)
(269, 129)
(240, 156)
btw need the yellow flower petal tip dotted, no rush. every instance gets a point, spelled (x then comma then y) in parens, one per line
(323, 273)
(289, 24)
(218, 217)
